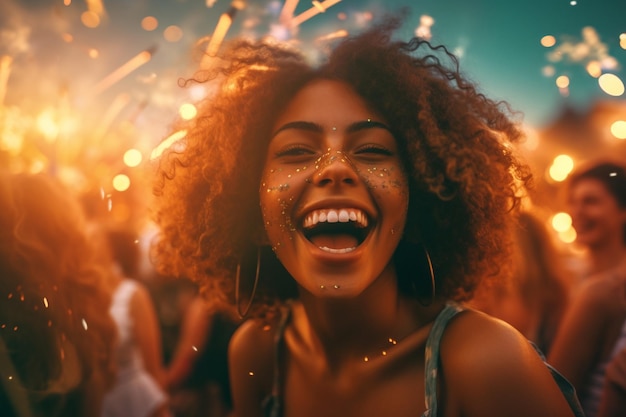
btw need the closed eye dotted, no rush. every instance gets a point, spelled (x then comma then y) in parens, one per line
(294, 151)
(373, 149)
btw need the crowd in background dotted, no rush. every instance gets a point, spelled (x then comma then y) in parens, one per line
(85, 330)
(56, 283)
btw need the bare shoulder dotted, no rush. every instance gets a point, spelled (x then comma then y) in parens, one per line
(489, 368)
(253, 341)
(601, 295)
(251, 360)
(475, 339)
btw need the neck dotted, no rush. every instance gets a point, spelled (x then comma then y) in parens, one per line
(365, 326)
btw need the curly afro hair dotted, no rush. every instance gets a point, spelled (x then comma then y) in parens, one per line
(465, 181)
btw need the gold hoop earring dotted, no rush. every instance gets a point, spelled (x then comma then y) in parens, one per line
(254, 287)
(431, 273)
(413, 270)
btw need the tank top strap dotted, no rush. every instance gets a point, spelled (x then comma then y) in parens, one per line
(432, 356)
(272, 406)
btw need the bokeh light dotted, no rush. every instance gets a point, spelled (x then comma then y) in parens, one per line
(568, 236)
(132, 157)
(548, 41)
(561, 222)
(121, 182)
(187, 111)
(562, 81)
(149, 23)
(618, 129)
(611, 84)
(90, 19)
(173, 33)
(561, 167)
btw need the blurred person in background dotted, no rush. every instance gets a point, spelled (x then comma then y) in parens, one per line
(594, 326)
(139, 388)
(197, 377)
(534, 299)
(613, 400)
(56, 340)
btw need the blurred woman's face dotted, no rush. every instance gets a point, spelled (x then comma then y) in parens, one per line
(596, 215)
(334, 194)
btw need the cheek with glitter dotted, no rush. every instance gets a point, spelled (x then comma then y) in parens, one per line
(277, 202)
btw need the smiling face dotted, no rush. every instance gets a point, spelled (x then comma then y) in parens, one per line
(334, 193)
(596, 215)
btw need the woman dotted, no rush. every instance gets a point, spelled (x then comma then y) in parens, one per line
(139, 387)
(56, 340)
(594, 326)
(535, 298)
(306, 195)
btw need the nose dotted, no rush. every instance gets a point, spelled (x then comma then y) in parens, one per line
(334, 168)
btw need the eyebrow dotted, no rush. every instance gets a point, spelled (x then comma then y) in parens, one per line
(317, 128)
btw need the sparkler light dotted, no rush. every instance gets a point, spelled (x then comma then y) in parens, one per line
(226, 19)
(134, 63)
(5, 70)
(286, 13)
(313, 11)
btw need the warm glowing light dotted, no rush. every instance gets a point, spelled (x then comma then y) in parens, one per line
(68, 38)
(568, 236)
(564, 161)
(134, 63)
(45, 302)
(561, 222)
(548, 41)
(93, 53)
(5, 70)
(48, 126)
(149, 23)
(319, 6)
(618, 129)
(286, 14)
(594, 69)
(561, 167)
(611, 84)
(315, 10)
(342, 33)
(173, 33)
(121, 182)
(132, 157)
(187, 111)
(622, 40)
(219, 34)
(85, 324)
(169, 141)
(90, 19)
(562, 81)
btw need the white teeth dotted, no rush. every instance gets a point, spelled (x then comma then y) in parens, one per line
(331, 250)
(334, 216)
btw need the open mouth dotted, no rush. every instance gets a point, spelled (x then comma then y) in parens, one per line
(336, 230)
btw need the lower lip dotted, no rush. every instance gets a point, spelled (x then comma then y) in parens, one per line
(326, 256)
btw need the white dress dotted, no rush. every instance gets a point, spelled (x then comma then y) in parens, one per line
(135, 393)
